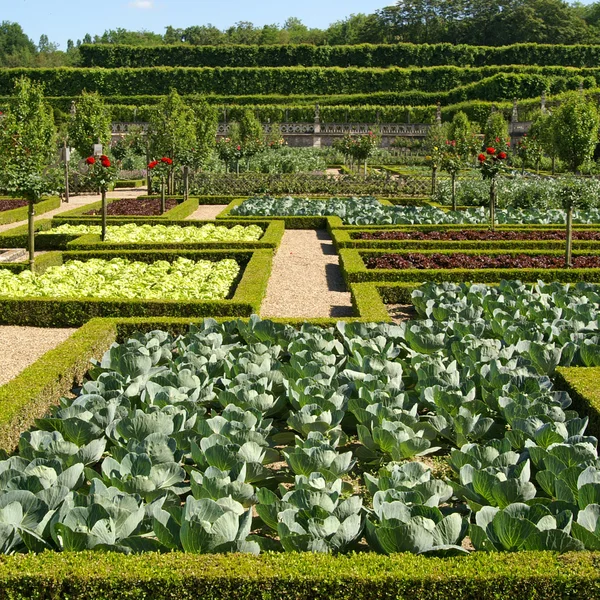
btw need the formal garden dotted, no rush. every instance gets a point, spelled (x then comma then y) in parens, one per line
(368, 367)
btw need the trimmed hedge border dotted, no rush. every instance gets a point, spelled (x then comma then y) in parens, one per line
(51, 312)
(480, 576)
(343, 238)
(354, 270)
(337, 223)
(130, 183)
(20, 214)
(29, 395)
(583, 385)
(178, 213)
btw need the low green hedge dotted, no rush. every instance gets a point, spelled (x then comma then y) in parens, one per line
(354, 270)
(306, 576)
(344, 238)
(583, 385)
(20, 214)
(52, 312)
(29, 395)
(77, 215)
(130, 183)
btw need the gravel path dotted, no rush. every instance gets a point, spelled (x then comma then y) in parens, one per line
(21, 346)
(207, 212)
(76, 202)
(306, 280)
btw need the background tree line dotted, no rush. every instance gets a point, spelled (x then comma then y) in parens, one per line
(478, 22)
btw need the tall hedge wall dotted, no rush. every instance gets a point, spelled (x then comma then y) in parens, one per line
(364, 55)
(268, 80)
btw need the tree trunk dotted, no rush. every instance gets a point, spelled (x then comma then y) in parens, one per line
(366, 166)
(186, 183)
(493, 203)
(568, 253)
(163, 200)
(453, 183)
(433, 179)
(103, 235)
(553, 165)
(31, 234)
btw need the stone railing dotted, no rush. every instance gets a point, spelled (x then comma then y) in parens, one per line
(324, 134)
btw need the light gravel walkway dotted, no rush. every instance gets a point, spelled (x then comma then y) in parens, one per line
(21, 346)
(306, 280)
(76, 202)
(207, 212)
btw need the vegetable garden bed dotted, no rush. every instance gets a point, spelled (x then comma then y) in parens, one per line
(11, 204)
(427, 265)
(136, 209)
(457, 238)
(248, 287)
(522, 468)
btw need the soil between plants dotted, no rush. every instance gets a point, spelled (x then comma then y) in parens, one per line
(132, 206)
(475, 235)
(459, 260)
(11, 204)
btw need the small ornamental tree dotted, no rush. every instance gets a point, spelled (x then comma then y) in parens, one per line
(434, 145)
(27, 150)
(101, 175)
(162, 168)
(572, 196)
(576, 129)
(544, 128)
(172, 131)
(495, 132)
(464, 134)
(451, 163)
(90, 123)
(206, 125)
(491, 163)
(530, 151)
(358, 147)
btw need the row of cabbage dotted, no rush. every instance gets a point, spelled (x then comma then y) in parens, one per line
(258, 436)
(162, 234)
(369, 211)
(518, 192)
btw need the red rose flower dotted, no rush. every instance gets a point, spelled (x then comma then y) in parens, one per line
(491, 150)
(238, 148)
(152, 164)
(502, 155)
(103, 157)
(166, 160)
(481, 158)
(90, 160)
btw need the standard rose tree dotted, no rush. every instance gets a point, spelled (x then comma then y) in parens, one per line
(491, 163)
(162, 168)
(101, 174)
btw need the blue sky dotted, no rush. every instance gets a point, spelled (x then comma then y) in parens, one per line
(69, 19)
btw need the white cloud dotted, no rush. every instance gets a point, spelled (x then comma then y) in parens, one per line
(142, 4)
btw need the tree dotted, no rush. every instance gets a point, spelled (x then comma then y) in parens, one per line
(576, 130)
(16, 49)
(543, 127)
(250, 127)
(90, 124)
(172, 130)
(495, 132)
(27, 149)
(206, 124)
(463, 133)
(435, 142)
